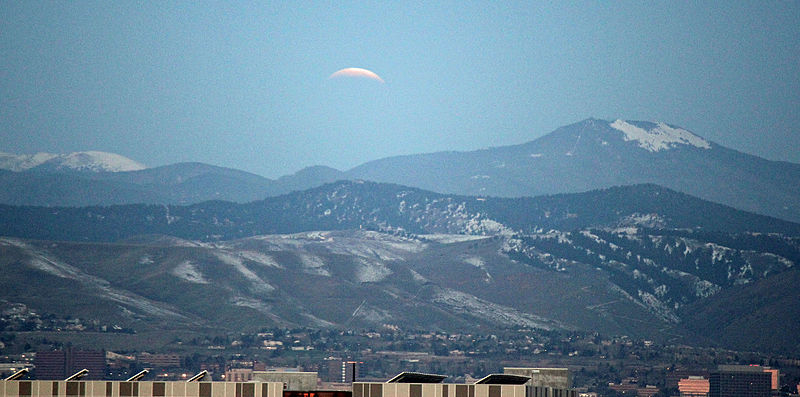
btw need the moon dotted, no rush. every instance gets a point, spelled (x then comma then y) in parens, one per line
(356, 72)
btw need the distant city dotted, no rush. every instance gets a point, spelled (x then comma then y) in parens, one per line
(307, 360)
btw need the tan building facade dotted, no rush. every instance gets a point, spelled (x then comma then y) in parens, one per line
(44, 388)
(291, 380)
(375, 389)
(556, 378)
(239, 375)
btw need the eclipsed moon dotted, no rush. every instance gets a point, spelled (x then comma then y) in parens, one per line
(356, 72)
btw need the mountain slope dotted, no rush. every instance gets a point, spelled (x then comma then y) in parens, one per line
(624, 260)
(181, 183)
(68, 189)
(186, 183)
(758, 316)
(320, 279)
(595, 154)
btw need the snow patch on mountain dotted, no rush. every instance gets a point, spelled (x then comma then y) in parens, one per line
(451, 238)
(642, 220)
(374, 315)
(236, 262)
(22, 162)
(93, 161)
(313, 265)
(658, 307)
(705, 288)
(43, 261)
(257, 305)
(99, 162)
(371, 271)
(480, 264)
(418, 277)
(461, 302)
(370, 244)
(262, 259)
(662, 137)
(186, 270)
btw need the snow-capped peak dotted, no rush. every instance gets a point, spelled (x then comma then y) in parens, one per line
(80, 161)
(99, 162)
(661, 137)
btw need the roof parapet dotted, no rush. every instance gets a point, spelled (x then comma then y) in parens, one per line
(78, 375)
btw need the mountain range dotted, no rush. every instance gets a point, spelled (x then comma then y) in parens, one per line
(639, 260)
(591, 154)
(620, 227)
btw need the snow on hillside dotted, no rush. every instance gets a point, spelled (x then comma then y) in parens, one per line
(186, 270)
(98, 162)
(43, 261)
(662, 137)
(371, 271)
(451, 238)
(460, 302)
(257, 283)
(22, 162)
(80, 161)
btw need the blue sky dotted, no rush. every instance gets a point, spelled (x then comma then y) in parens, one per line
(245, 85)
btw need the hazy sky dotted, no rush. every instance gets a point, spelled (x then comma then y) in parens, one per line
(245, 85)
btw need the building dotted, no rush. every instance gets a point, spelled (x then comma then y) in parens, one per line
(63, 363)
(342, 371)
(625, 388)
(239, 375)
(427, 385)
(693, 386)
(350, 370)
(557, 378)
(291, 380)
(673, 377)
(160, 360)
(50, 365)
(775, 375)
(740, 381)
(402, 385)
(49, 388)
(647, 391)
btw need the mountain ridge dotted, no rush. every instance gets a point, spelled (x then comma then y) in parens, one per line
(626, 260)
(591, 154)
(376, 205)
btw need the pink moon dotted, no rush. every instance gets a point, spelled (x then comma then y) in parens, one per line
(356, 72)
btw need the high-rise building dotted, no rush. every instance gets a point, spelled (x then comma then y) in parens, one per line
(50, 365)
(774, 376)
(349, 371)
(55, 365)
(740, 381)
(674, 376)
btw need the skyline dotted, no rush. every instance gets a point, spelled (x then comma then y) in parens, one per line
(247, 86)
